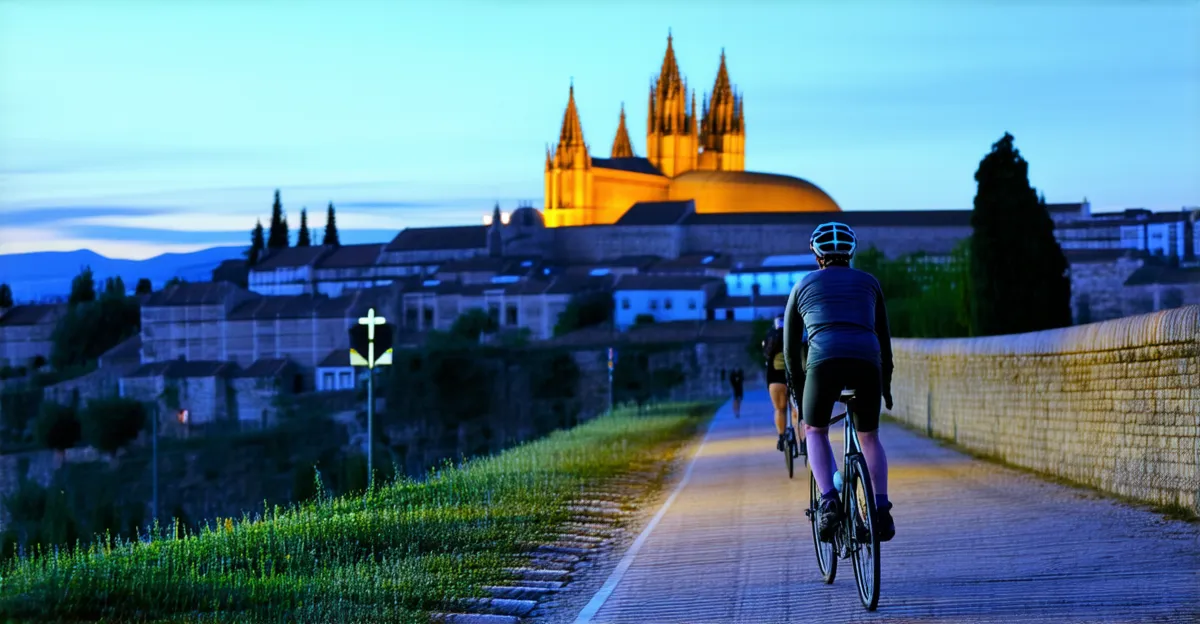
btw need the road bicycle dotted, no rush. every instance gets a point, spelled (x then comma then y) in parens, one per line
(856, 537)
(794, 446)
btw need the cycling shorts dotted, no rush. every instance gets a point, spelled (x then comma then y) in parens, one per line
(824, 384)
(776, 376)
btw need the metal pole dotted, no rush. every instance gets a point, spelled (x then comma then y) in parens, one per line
(154, 468)
(370, 427)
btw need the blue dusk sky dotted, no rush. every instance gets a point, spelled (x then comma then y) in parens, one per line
(138, 127)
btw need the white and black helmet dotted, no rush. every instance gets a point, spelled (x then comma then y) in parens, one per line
(833, 239)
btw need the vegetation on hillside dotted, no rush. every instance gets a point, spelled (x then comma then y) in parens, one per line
(394, 554)
(92, 325)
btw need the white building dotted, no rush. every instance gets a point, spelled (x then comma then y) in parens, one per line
(663, 298)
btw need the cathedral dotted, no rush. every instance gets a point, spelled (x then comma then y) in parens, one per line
(688, 157)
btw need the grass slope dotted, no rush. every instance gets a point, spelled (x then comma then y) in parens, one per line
(392, 555)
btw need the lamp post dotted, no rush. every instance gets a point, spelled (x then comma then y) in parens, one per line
(154, 462)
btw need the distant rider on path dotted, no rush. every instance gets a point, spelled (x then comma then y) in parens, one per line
(737, 379)
(777, 384)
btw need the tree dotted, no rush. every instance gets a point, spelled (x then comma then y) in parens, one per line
(6, 298)
(89, 329)
(83, 288)
(584, 310)
(57, 427)
(472, 324)
(111, 423)
(331, 232)
(278, 235)
(144, 287)
(302, 238)
(257, 244)
(1020, 279)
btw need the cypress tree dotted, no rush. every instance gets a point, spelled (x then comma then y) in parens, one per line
(143, 287)
(302, 238)
(257, 245)
(1019, 276)
(331, 233)
(6, 298)
(83, 288)
(278, 236)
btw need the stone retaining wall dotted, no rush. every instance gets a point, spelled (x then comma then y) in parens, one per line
(1113, 405)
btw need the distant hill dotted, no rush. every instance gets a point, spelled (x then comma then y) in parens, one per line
(46, 274)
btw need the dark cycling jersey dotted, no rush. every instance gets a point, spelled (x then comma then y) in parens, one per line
(843, 314)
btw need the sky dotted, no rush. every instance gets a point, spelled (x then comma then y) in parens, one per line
(139, 127)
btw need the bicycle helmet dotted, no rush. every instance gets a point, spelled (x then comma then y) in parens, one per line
(833, 239)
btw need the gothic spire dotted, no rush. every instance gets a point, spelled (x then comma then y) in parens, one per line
(572, 129)
(622, 147)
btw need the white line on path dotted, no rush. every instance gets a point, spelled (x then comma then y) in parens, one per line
(598, 600)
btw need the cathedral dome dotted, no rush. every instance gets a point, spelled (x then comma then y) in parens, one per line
(747, 191)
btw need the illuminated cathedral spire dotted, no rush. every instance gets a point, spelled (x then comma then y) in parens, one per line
(622, 147)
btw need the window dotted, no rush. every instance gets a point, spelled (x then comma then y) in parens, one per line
(428, 317)
(410, 317)
(729, 314)
(344, 378)
(691, 304)
(328, 381)
(494, 313)
(711, 314)
(755, 290)
(667, 303)
(510, 315)
(625, 303)
(654, 304)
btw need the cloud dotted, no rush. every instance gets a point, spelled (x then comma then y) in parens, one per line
(54, 214)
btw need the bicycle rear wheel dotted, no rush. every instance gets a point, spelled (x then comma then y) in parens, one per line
(789, 451)
(864, 545)
(826, 558)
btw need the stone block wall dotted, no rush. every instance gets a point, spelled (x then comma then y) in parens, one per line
(1113, 405)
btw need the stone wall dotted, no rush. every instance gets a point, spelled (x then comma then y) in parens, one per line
(1113, 405)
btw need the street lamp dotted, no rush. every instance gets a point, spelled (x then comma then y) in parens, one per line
(371, 335)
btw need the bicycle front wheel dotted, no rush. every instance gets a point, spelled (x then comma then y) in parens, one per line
(826, 559)
(860, 529)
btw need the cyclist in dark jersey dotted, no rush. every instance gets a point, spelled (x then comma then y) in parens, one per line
(777, 382)
(737, 380)
(849, 346)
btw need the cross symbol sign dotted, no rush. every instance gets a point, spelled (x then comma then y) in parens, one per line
(370, 320)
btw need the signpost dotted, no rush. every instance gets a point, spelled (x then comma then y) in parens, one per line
(371, 346)
(612, 361)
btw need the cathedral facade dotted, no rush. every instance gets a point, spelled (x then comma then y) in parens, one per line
(701, 159)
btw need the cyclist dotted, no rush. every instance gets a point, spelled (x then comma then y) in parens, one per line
(777, 384)
(737, 380)
(842, 311)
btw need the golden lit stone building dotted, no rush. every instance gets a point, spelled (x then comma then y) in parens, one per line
(702, 159)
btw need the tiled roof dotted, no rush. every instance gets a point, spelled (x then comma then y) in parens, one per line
(1075, 207)
(270, 367)
(182, 369)
(692, 262)
(130, 350)
(193, 293)
(1164, 274)
(665, 282)
(1091, 256)
(31, 314)
(482, 264)
(658, 213)
(853, 218)
(352, 256)
(600, 337)
(761, 301)
(305, 306)
(440, 238)
(635, 164)
(573, 284)
(292, 257)
(338, 358)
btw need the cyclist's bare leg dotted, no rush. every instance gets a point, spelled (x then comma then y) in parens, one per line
(832, 460)
(780, 401)
(820, 457)
(876, 459)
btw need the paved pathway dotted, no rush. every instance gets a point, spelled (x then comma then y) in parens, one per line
(975, 543)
